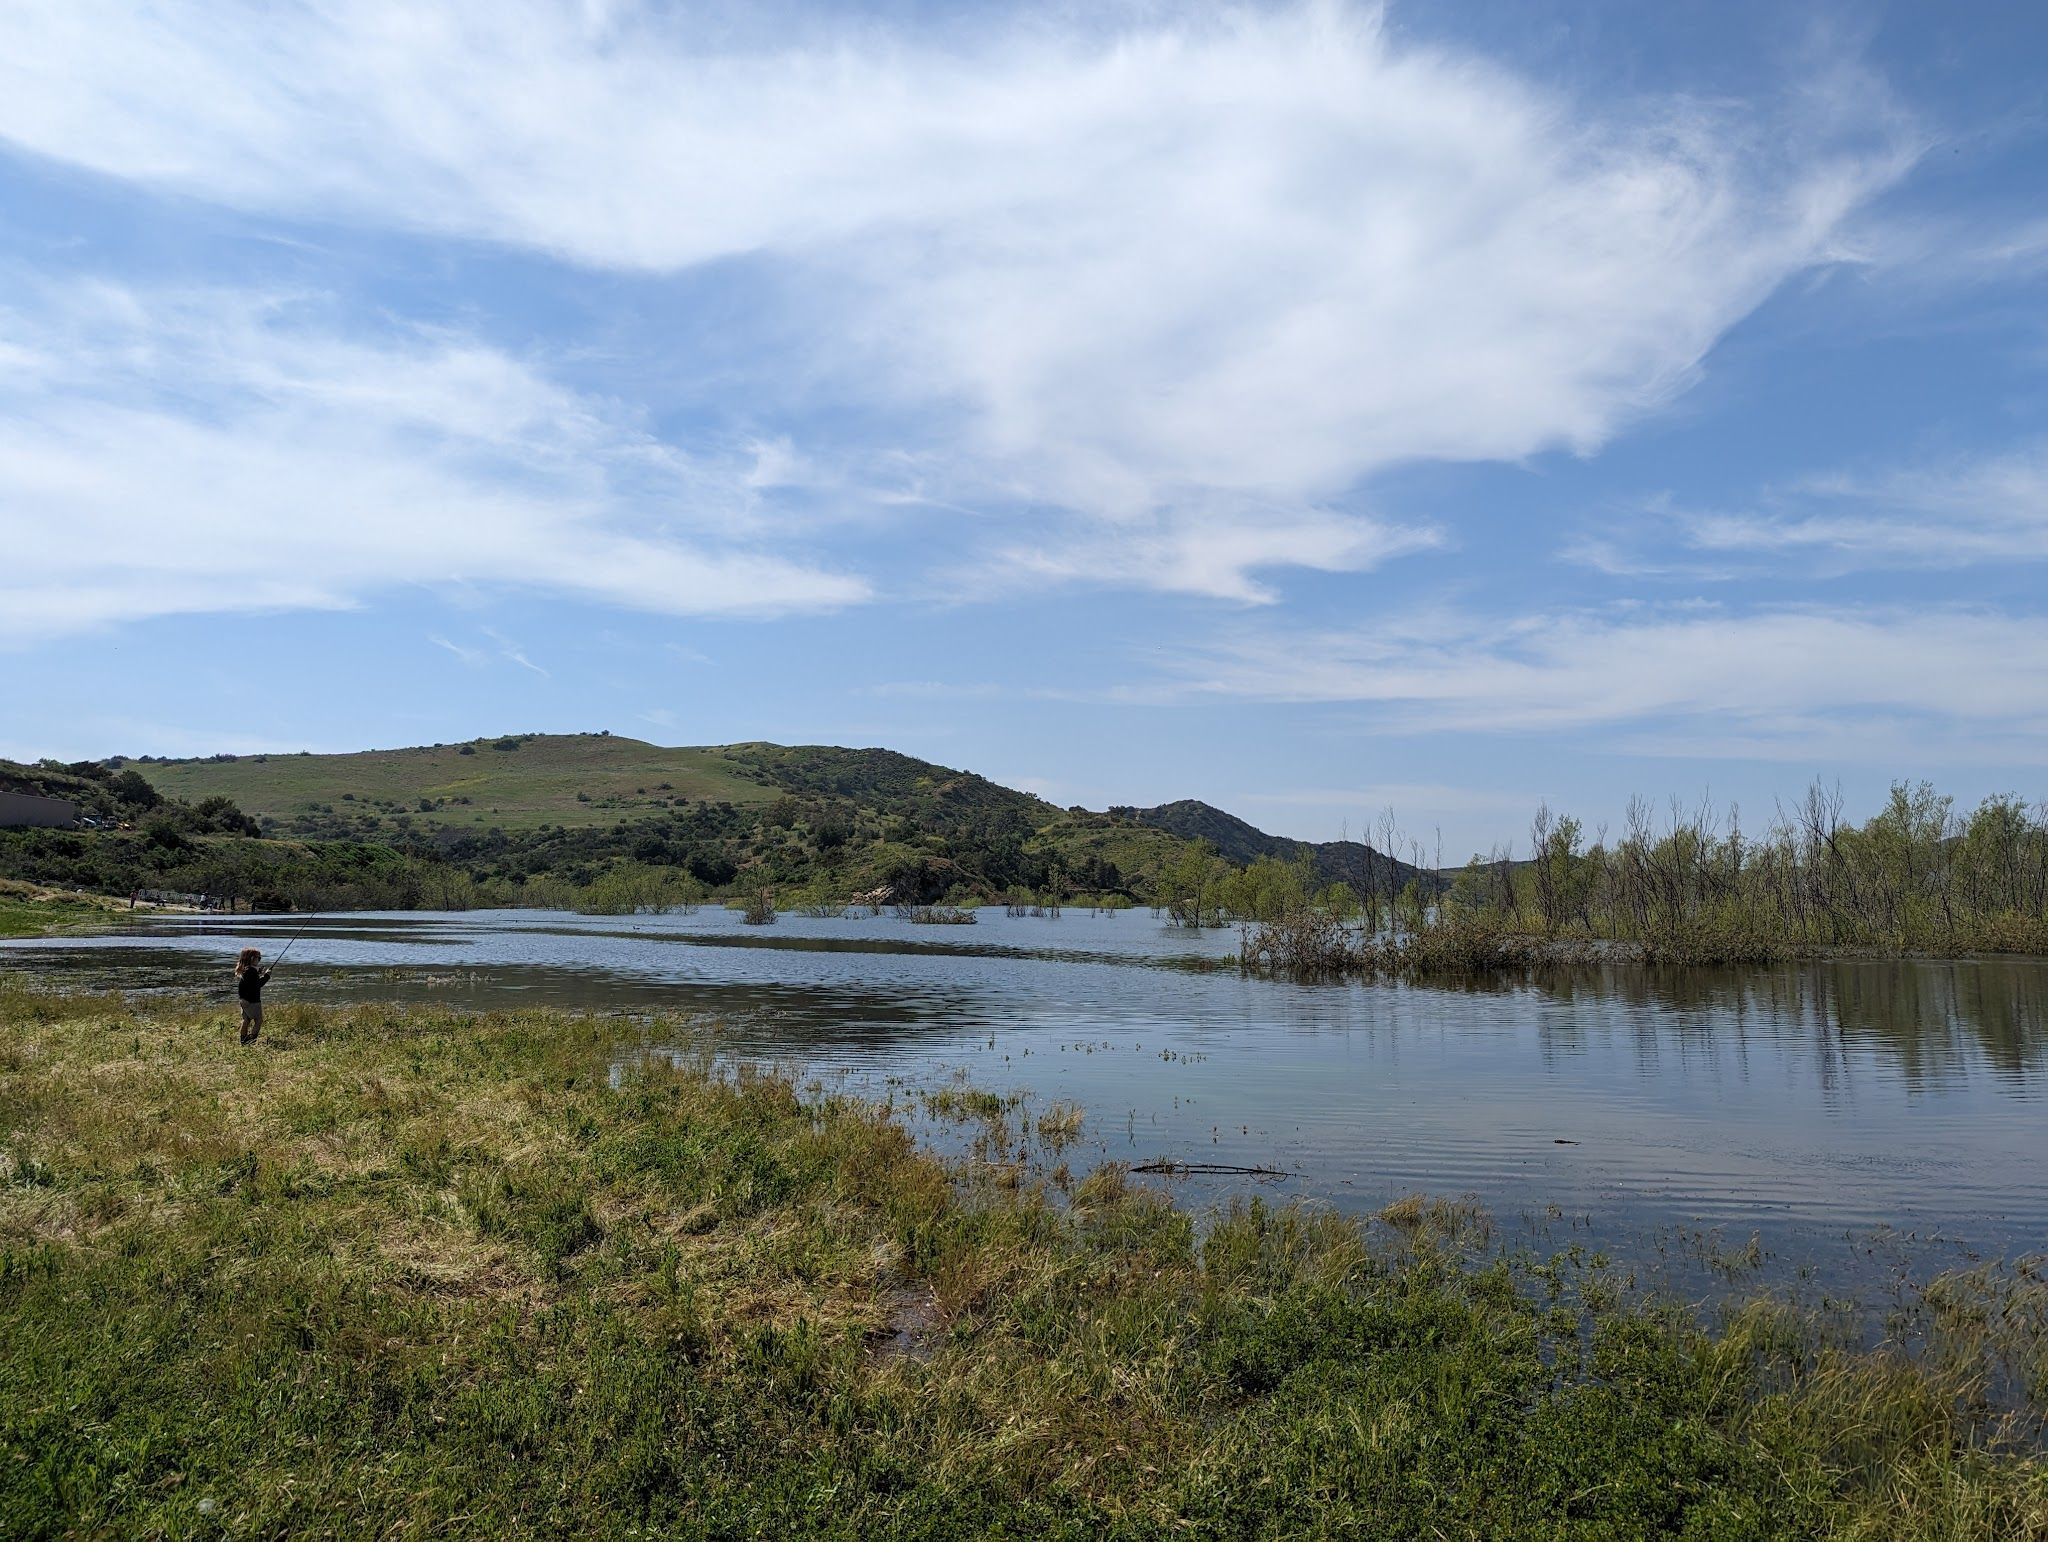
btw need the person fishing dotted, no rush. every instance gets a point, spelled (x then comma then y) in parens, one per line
(250, 978)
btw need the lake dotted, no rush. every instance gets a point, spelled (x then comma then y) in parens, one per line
(1845, 1111)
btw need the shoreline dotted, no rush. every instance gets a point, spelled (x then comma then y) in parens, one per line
(451, 1247)
(42, 911)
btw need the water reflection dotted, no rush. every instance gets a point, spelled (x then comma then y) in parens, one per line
(1930, 1019)
(1814, 1099)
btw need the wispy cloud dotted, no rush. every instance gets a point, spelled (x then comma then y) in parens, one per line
(163, 453)
(474, 657)
(942, 690)
(508, 649)
(1957, 513)
(1159, 292)
(1775, 681)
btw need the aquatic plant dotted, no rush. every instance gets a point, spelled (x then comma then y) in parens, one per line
(639, 889)
(941, 915)
(1697, 889)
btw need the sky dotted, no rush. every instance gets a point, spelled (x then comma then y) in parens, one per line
(1318, 409)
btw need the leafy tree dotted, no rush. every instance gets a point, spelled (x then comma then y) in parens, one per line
(132, 787)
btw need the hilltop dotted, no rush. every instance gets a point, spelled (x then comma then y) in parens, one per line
(1348, 862)
(541, 818)
(514, 781)
(811, 819)
(807, 816)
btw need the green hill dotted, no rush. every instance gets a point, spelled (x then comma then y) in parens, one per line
(814, 820)
(517, 782)
(810, 818)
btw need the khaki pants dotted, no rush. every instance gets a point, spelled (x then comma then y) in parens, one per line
(252, 1020)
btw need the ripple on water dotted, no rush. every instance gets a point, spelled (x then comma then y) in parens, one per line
(1811, 1100)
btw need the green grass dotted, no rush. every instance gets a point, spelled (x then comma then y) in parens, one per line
(27, 910)
(515, 789)
(405, 1272)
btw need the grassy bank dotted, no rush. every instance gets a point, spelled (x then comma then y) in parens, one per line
(391, 1271)
(29, 910)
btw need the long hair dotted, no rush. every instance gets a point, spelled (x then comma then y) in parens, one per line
(247, 959)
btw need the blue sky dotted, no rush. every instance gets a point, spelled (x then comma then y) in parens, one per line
(1313, 409)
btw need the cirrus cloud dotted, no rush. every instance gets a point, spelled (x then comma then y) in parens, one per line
(218, 451)
(1128, 288)
(1792, 683)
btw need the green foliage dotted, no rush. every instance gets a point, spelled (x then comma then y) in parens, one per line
(1201, 889)
(26, 911)
(1695, 888)
(276, 875)
(631, 889)
(813, 819)
(1362, 868)
(417, 1273)
(132, 788)
(1190, 891)
(556, 815)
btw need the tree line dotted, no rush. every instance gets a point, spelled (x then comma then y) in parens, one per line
(1693, 884)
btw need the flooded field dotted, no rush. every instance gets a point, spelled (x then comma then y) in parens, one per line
(1841, 1113)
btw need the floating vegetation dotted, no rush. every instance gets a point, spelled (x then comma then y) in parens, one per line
(1177, 1169)
(941, 915)
(1060, 1125)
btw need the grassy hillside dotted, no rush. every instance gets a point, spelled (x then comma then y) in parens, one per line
(132, 836)
(517, 782)
(806, 820)
(809, 821)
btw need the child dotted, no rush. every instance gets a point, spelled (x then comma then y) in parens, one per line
(249, 983)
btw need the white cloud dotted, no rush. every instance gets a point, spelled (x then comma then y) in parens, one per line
(221, 452)
(1985, 509)
(1215, 551)
(475, 658)
(508, 649)
(1960, 513)
(1771, 682)
(1139, 284)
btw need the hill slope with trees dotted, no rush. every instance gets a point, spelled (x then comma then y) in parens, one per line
(1352, 863)
(542, 818)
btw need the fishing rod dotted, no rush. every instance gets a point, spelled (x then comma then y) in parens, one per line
(294, 938)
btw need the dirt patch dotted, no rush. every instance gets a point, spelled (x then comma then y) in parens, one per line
(911, 1326)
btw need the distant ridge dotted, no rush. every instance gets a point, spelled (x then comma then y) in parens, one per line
(1351, 862)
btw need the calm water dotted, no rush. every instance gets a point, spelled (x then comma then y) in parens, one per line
(1817, 1105)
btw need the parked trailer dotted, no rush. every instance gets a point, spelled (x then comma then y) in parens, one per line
(25, 810)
